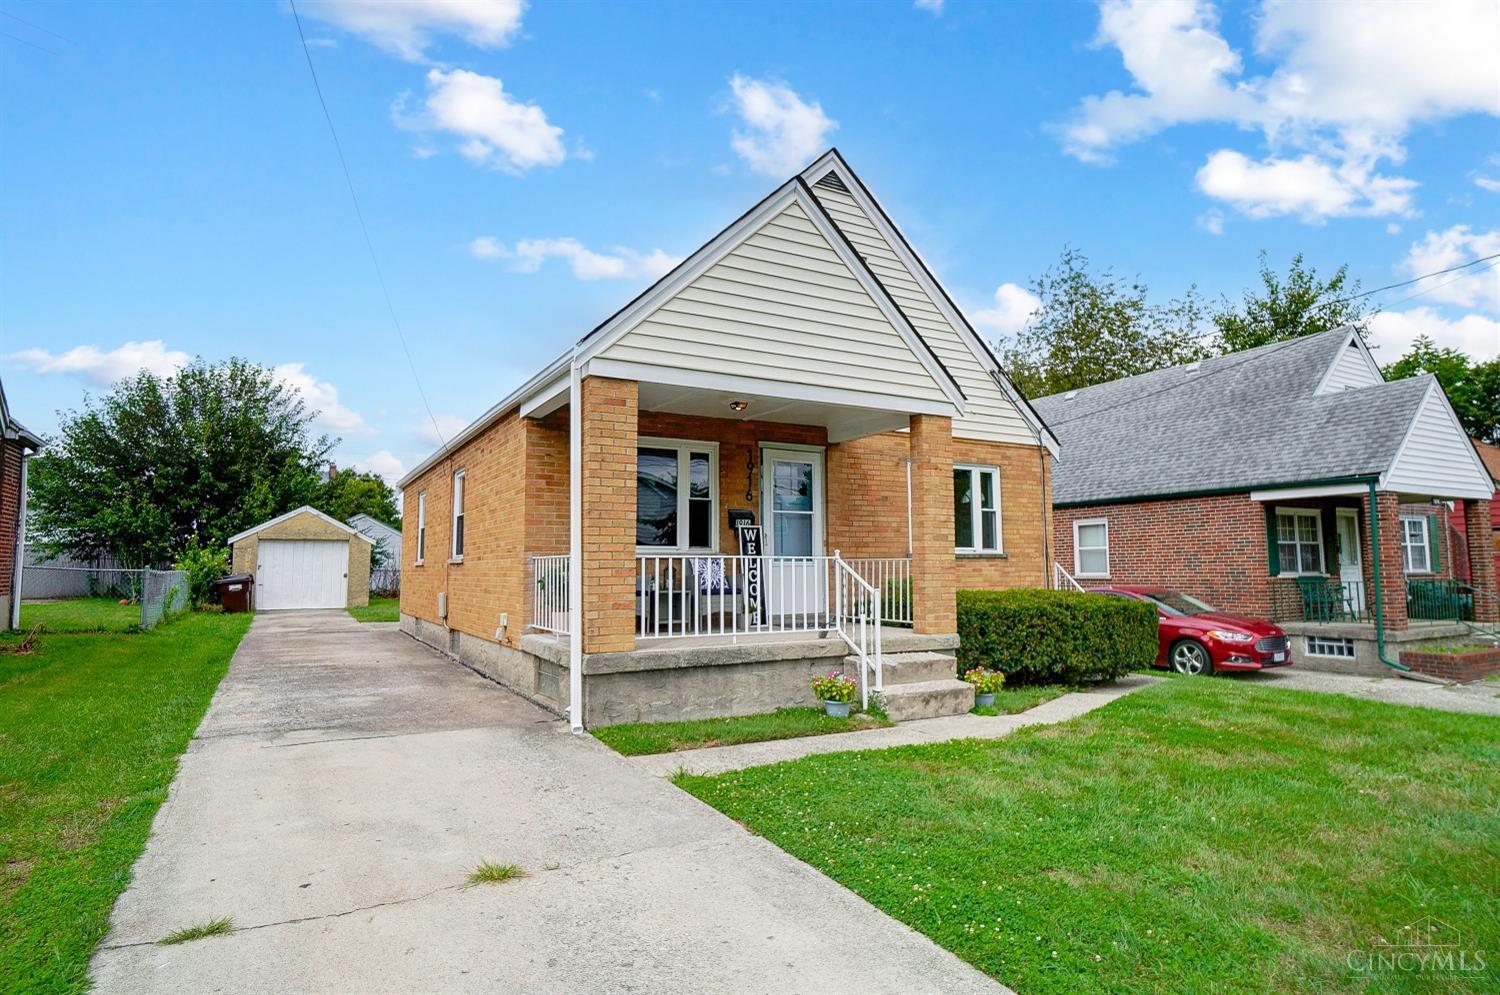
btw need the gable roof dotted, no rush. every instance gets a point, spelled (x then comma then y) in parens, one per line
(1490, 455)
(361, 522)
(12, 429)
(1251, 419)
(307, 508)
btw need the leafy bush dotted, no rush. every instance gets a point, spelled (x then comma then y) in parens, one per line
(203, 565)
(1054, 637)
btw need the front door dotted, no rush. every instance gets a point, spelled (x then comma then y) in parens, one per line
(792, 508)
(1351, 567)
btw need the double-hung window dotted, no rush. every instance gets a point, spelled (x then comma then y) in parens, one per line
(1299, 541)
(421, 527)
(676, 494)
(976, 509)
(1416, 552)
(458, 515)
(1091, 547)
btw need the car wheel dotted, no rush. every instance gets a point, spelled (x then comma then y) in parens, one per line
(1190, 658)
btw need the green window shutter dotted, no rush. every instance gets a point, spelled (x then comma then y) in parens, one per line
(1328, 522)
(1433, 548)
(1273, 555)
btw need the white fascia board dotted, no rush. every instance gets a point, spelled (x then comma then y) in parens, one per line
(794, 191)
(511, 400)
(1295, 493)
(923, 274)
(292, 514)
(1481, 490)
(546, 398)
(729, 384)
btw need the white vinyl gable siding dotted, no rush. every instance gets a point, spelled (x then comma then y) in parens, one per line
(990, 415)
(1352, 369)
(1437, 458)
(781, 306)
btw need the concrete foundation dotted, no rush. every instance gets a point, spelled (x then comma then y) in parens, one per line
(539, 680)
(1366, 659)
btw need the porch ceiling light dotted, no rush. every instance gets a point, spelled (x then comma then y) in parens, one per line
(739, 405)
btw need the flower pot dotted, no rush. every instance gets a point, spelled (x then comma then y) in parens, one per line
(837, 709)
(984, 700)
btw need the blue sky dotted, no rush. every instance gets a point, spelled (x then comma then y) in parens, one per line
(168, 186)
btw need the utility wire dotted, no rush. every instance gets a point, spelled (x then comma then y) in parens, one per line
(1418, 279)
(365, 230)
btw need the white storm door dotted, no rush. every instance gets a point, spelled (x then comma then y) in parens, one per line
(1351, 567)
(792, 508)
(301, 573)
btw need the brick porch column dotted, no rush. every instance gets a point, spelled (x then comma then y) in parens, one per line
(932, 559)
(1477, 527)
(1392, 568)
(610, 408)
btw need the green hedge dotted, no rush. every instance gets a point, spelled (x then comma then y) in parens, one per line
(1051, 637)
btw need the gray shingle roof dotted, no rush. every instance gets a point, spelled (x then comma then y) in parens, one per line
(1243, 420)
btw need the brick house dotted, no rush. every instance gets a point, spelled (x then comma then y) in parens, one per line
(17, 444)
(780, 459)
(1248, 481)
(1457, 519)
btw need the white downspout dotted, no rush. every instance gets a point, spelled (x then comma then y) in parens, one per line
(15, 587)
(908, 507)
(575, 547)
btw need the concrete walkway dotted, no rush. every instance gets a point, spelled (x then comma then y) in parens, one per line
(347, 779)
(717, 759)
(1479, 698)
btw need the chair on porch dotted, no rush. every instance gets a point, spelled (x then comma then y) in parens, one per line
(719, 595)
(1322, 599)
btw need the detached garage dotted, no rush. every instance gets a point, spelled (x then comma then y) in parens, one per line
(304, 559)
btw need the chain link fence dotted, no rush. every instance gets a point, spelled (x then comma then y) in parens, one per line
(164, 593)
(68, 583)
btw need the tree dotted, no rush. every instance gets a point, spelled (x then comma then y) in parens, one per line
(1300, 305)
(160, 461)
(1089, 329)
(349, 492)
(1472, 388)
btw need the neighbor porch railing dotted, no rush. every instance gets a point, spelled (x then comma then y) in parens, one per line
(1318, 599)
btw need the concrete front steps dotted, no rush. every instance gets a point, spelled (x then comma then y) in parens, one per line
(919, 684)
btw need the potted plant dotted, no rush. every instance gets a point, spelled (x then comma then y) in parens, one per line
(836, 692)
(986, 683)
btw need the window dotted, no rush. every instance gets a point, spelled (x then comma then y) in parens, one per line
(1415, 551)
(676, 494)
(976, 509)
(1299, 541)
(421, 527)
(458, 515)
(1319, 646)
(1091, 548)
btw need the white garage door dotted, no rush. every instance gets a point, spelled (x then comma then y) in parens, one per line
(301, 573)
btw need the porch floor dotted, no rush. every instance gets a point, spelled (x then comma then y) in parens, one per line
(684, 651)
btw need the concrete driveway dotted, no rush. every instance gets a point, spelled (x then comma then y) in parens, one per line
(347, 779)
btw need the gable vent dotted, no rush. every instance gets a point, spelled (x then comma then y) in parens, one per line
(832, 182)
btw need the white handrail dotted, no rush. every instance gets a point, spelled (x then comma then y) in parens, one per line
(1062, 579)
(852, 589)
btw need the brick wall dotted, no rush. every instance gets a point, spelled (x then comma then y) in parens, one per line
(309, 526)
(1482, 567)
(933, 578)
(609, 454)
(1462, 667)
(10, 516)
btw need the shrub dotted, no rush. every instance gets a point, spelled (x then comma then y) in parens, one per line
(1054, 637)
(203, 565)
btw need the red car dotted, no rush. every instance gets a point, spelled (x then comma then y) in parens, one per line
(1196, 639)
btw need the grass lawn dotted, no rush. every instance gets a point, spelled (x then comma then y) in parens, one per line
(1009, 701)
(81, 615)
(636, 738)
(91, 727)
(378, 610)
(1195, 836)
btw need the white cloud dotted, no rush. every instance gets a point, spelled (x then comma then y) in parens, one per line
(447, 427)
(1349, 81)
(1014, 306)
(782, 132)
(383, 463)
(528, 255)
(934, 7)
(322, 397)
(1212, 222)
(1485, 183)
(407, 28)
(102, 367)
(493, 128)
(1478, 286)
(1394, 332)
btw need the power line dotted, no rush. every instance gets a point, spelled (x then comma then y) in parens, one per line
(1445, 283)
(365, 229)
(1417, 279)
(36, 27)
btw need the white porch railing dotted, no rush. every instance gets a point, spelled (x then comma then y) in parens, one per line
(1062, 580)
(549, 602)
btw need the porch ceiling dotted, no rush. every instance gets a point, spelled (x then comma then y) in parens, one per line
(843, 422)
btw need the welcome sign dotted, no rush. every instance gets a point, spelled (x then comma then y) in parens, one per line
(751, 551)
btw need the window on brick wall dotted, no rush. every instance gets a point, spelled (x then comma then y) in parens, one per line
(1416, 549)
(676, 494)
(1091, 548)
(1299, 541)
(458, 515)
(976, 509)
(421, 526)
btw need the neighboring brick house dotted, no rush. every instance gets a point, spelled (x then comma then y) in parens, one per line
(1246, 481)
(803, 372)
(1457, 524)
(17, 444)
